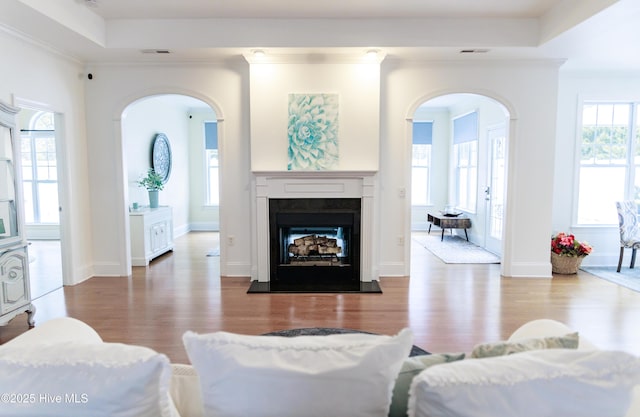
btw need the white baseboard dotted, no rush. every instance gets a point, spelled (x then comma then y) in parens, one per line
(205, 227)
(527, 270)
(235, 269)
(392, 269)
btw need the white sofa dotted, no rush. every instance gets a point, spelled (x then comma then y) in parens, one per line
(50, 340)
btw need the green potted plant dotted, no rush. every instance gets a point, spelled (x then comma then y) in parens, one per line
(153, 183)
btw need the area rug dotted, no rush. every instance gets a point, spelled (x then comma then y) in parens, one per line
(628, 278)
(455, 250)
(323, 331)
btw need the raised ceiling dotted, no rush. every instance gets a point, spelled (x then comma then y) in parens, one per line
(190, 9)
(588, 34)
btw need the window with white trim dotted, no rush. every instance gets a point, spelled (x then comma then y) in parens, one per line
(465, 160)
(609, 160)
(421, 163)
(212, 163)
(40, 170)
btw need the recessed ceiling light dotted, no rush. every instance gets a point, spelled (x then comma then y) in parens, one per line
(372, 53)
(258, 53)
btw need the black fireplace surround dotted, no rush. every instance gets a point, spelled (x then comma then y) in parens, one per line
(314, 242)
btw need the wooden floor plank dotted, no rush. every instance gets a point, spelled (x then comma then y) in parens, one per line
(450, 308)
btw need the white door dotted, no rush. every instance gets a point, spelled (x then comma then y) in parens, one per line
(495, 190)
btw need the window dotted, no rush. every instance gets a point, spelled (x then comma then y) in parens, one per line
(421, 163)
(465, 160)
(39, 170)
(609, 160)
(212, 162)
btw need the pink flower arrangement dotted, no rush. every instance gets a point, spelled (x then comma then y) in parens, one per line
(567, 245)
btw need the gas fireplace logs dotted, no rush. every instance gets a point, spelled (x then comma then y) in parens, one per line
(314, 245)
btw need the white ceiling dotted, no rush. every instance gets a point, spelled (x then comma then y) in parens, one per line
(194, 9)
(588, 34)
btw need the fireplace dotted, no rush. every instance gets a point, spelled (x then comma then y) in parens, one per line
(336, 205)
(314, 240)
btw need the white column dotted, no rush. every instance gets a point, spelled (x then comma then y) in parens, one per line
(262, 229)
(366, 231)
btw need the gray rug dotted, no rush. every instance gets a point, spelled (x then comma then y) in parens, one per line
(323, 331)
(455, 250)
(629, 278)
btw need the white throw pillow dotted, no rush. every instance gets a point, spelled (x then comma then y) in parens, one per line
(84, 379)
(541, 383)
(325, 376)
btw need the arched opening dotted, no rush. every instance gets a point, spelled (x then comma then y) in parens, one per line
(458, 168)
(190, 198)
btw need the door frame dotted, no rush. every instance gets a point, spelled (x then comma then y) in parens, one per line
(491, 243)
(63, 181)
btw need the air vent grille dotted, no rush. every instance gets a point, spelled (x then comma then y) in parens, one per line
(155, 51)
(474, 51)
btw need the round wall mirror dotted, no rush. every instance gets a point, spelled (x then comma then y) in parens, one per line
(161, 156)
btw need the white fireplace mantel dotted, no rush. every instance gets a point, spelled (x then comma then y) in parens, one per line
(315, 184)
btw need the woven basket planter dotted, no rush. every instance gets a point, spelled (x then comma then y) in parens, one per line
(565, 264)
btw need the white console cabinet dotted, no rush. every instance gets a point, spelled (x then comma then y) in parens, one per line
(151, 234)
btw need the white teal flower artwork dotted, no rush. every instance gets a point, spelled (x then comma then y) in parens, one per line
(313, 131)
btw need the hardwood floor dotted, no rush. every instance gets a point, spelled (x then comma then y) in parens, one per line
(448, 307)
(45, 266)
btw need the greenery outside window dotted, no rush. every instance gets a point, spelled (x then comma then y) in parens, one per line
(609, 160)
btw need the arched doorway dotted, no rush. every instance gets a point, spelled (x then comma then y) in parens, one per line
(190, 126)
(459, 157)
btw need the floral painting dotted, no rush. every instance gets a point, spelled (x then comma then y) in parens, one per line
(313, 131)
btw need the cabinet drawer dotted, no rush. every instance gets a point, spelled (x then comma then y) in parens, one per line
(14, 284)
(159, 236)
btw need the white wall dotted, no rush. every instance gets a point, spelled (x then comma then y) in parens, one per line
(142, 121)
(574, 89)
(358, 88)
(31, 75)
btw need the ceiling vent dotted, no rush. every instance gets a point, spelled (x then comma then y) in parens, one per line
(156, 51)
(474, 51)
